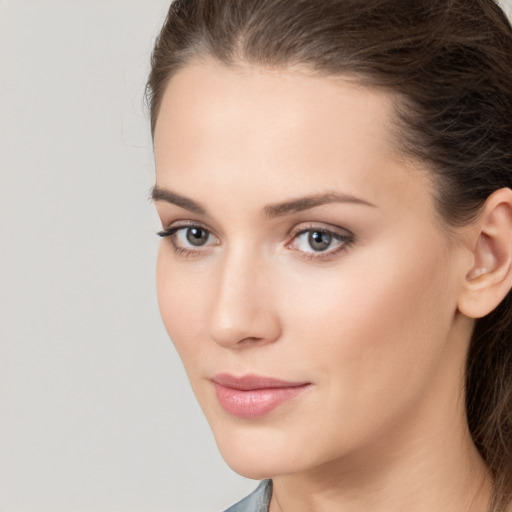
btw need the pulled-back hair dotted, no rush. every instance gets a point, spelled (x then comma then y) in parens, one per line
(450, 64)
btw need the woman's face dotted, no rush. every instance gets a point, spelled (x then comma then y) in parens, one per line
(305, 279)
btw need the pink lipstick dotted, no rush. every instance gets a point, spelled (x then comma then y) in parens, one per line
(253, 396)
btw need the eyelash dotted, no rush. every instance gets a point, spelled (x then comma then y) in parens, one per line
(346, 240)
(170, 233)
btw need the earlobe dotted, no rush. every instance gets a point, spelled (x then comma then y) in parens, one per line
(490, 277)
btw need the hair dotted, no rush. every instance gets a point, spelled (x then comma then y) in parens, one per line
(450, 62)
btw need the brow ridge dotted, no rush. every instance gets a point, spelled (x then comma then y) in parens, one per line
(271, 210)
(305, 203)
(162, 194)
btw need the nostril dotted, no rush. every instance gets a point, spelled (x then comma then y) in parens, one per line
(250, 341)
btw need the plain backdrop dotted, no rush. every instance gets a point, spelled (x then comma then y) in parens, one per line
(96, 412)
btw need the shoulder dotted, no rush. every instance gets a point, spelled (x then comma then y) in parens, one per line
(257, 501)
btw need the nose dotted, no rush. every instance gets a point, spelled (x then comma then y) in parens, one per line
(243, 311)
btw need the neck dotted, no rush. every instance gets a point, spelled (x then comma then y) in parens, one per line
(426, 477)
(426, 461)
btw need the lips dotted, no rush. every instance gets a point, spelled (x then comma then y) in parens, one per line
(254, 396)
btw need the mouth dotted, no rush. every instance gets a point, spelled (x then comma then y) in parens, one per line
(254, 396)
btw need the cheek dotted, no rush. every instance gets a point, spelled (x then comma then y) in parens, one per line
(181, 299)
(372, 331)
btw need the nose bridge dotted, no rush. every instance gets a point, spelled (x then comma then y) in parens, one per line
(242, 308)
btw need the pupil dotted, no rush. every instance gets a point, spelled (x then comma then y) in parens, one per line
(319, 240)
(197, 236)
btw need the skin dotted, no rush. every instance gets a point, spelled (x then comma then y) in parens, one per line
(373, 323)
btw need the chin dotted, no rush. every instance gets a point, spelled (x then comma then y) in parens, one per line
(253, 464)
(260, 452)
(254, 471)
(245, 450)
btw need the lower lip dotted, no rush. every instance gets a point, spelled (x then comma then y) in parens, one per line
(254, 403)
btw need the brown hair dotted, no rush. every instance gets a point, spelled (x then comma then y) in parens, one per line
(451, 63)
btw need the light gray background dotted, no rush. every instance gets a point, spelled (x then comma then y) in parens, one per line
(96, 412)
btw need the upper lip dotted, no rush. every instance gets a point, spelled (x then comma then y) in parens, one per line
(252, 382)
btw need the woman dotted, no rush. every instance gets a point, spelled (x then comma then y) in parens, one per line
(334, 183)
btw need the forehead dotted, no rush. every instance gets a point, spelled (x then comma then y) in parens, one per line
(207, 98)
(254, 129)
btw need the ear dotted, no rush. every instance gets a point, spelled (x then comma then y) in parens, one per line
(490, 277)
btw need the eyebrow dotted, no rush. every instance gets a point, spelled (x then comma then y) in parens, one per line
(307, 202)
(163, 194)
(271, 210)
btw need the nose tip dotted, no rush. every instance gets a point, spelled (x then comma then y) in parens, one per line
(243, 313)
(236, 328)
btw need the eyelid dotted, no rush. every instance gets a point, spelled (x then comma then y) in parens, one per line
(320, 226)
(180, 224)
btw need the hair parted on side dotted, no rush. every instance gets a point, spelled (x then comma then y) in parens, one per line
(450, 64)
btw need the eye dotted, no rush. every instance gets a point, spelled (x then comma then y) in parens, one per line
(195, 236)
(189, 238)
(322, 242)
(319, 240)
